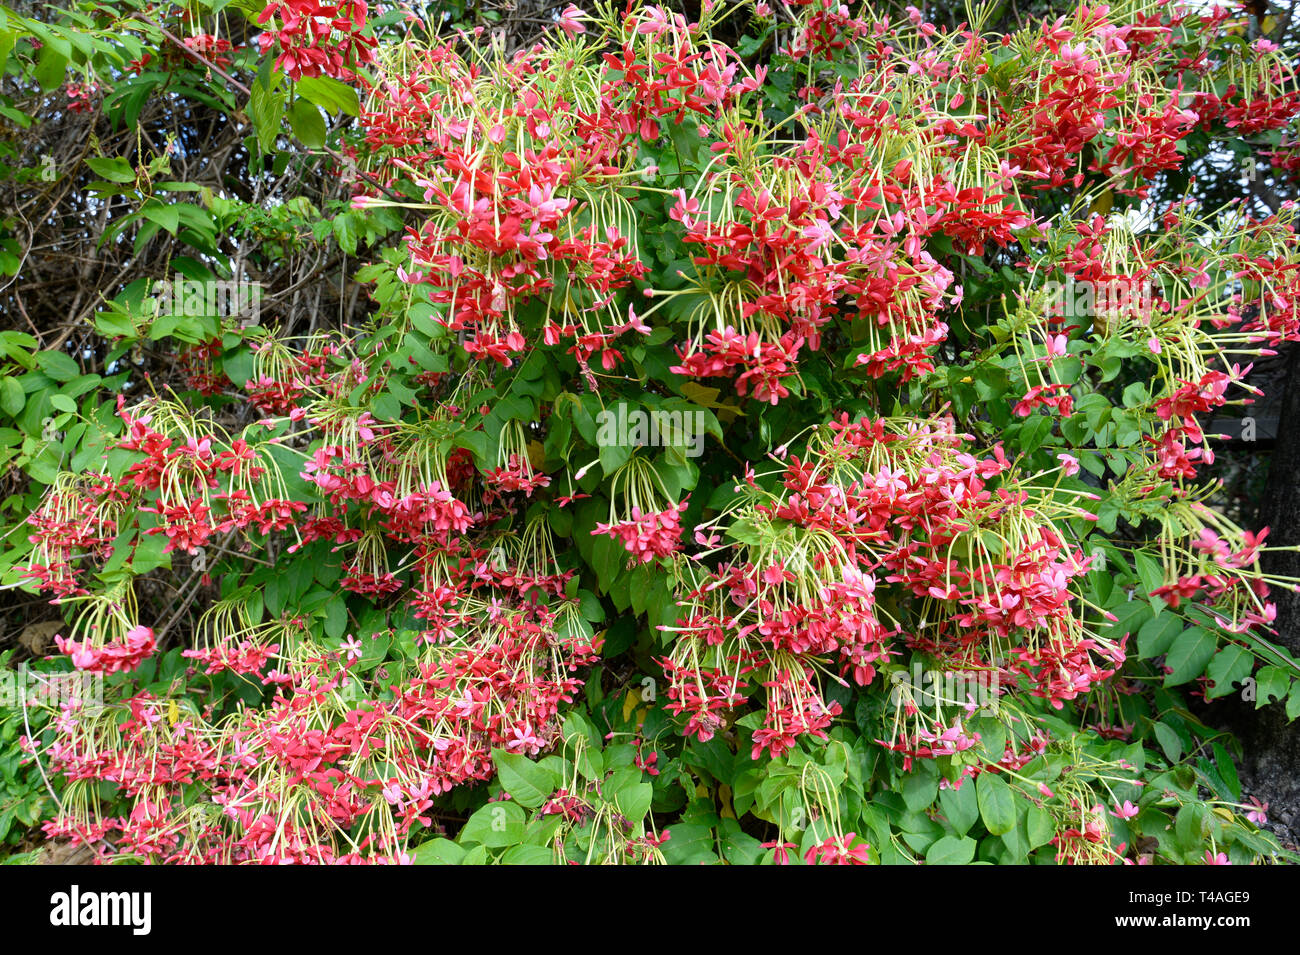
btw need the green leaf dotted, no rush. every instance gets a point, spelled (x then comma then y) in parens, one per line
(919, 789)
(169, 217)
(336, 615)
(265, 109)
(528, 783)
(1230, 665)
(613, 456)
(12, 398)
(330, 94)
(345, 231)
(1035, 430)
(1149, 572)
(634, 801)
(960, 806)
(1039, 828)
(149, 554)
(691, 844)
(1188, 656)
(529, 855)
(51, 67)
(307, 123)
(238, 366)
(1293, 701)
(739, 847)
(997, 805)
(1271, 683)
(495, 825)
(1227, 771)
(1169, 742)
(438, 852)
(951, 850)
(57, 365)
(1192, 826)
(1157, 635)
(115, 169)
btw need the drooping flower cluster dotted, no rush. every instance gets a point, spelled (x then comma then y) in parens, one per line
(883, 503)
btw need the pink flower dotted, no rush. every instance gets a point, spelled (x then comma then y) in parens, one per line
(710, 540)
(1126, 811)
(351, 648)
(1216, 859)
(570, 20)
(523, 740)
(1258, 815)
(1069, 462)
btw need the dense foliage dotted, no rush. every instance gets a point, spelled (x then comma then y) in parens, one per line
(777, 436)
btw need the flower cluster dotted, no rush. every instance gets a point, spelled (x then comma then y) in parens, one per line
(316, 37)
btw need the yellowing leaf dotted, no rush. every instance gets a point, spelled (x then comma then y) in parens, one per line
(707, 397)
(702, 395)
(724, 798)
(630, 702)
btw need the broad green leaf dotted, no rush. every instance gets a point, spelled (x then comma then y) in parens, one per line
(115, 169)
(495, 825)
(307, 123)
(960, 806)
(1191, 651)
(336, 615)
(919, 789)
(1157, 635)
(951, 850)
(1169, 742)
(529, 855)
(527, 782)
(634, 801)
(1149, 571)
(997, 805)
(57, 365)
(1230, 665)
(265, 109)
(345, 231)
(168, 217)
(12, 398)
(51, 67)
(438, 852)
(330, 94)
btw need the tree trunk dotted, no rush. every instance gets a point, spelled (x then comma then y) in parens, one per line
(1271, 744)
